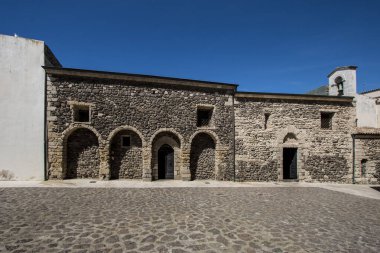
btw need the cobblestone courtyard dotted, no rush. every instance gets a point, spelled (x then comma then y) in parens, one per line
(284, 219)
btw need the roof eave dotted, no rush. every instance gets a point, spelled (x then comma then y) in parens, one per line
(302, 97)
(342, 68)
(137, 78)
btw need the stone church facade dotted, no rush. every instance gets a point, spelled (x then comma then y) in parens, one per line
(121, 126)
(73, 123)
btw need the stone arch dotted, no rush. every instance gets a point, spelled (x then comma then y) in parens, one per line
(290, 131)
(203, 156)
(126, 127)
(72, 128)
(81, 152)
(171, 138)
(290, 138)
(125, 161)
(210, 133)
(168, 130)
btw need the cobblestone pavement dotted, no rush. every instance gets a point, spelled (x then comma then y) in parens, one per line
(287, 219)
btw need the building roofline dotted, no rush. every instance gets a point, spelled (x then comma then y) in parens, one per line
(51, 57)
(369, 91)
(286, 96)
(366, 131)
(342, 68)
(20, 37)
(137, 77)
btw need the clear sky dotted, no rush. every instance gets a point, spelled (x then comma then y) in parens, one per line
(286, 46)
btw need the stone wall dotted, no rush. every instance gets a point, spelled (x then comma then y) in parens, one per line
(157, 114)
(367, 159)
(202, 157)
(322, 154)
(143, 107)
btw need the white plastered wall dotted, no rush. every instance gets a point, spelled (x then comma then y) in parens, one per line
(366, 112)
(22, 82)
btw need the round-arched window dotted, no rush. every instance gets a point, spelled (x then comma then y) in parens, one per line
(363, 167)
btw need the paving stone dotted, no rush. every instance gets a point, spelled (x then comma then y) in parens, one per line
(245, 220)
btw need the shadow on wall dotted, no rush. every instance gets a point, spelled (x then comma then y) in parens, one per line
(377, 188)
(6, 175)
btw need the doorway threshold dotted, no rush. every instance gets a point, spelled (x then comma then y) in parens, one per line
(290, 180)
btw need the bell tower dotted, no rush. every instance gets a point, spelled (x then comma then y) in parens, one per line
(342, 81)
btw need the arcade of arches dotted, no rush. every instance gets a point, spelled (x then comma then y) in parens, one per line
(125, 160)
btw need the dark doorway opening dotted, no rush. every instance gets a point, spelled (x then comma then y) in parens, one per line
(290, 163)
(166, 162)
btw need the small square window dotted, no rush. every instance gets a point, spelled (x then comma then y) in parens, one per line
(82, 114)
(204, 116)
(326, 120)
(125, 141)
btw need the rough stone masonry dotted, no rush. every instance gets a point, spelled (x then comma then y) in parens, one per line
(114, 126)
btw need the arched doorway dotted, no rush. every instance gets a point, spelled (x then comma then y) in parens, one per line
(166, 156)
(290, 157)
(82, 154)
(166, 162)
(202, 157)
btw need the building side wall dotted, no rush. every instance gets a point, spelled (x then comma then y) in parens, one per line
(367, 160)
(322, 155)
(22, 84)
(149, 110)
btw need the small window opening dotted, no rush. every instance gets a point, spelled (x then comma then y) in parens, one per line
(125, 141)
(82, 114)
(266, 115)
(204, 117)
(326, 120)
(363, 167)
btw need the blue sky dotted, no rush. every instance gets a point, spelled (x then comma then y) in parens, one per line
(286, 46)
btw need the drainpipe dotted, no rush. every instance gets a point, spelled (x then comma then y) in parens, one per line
(233, 118)
(45, 131)
(353, 158)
